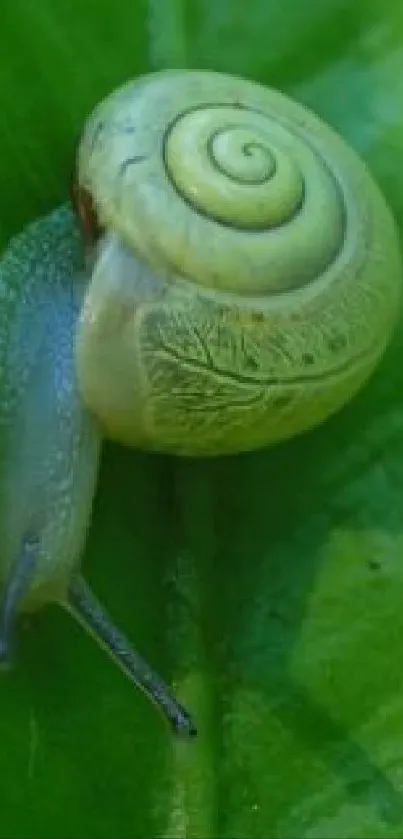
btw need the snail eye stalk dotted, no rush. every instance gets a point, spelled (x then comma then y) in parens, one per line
(17, 585)
(86, 609)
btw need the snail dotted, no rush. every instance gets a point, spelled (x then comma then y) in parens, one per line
(226, 275)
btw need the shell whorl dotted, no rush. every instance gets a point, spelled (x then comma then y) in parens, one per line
(218, 180)
(250, 273)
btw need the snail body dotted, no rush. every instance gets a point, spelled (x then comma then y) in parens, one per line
(51, 448)
(50, 444)
(246, 275)
(228, 276)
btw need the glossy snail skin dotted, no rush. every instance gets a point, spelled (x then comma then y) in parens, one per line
(246, 276)
(50, 448)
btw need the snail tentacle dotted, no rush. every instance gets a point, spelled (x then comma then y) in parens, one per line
(82, 604)
(14, 591)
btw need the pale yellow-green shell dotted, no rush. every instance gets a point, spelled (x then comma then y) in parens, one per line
(251, 273)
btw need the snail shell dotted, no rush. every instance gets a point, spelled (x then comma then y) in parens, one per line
(247, 274)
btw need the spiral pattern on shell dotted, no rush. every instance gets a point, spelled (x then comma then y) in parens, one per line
(250, 273)
(171, 159)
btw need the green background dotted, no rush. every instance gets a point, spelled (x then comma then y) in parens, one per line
(268, 588)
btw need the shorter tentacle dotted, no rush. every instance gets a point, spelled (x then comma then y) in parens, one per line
(16, 588)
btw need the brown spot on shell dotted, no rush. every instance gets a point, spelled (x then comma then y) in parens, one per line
(83, 204)
(84, 207)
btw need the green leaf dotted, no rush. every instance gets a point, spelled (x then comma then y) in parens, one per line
(267, 588)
